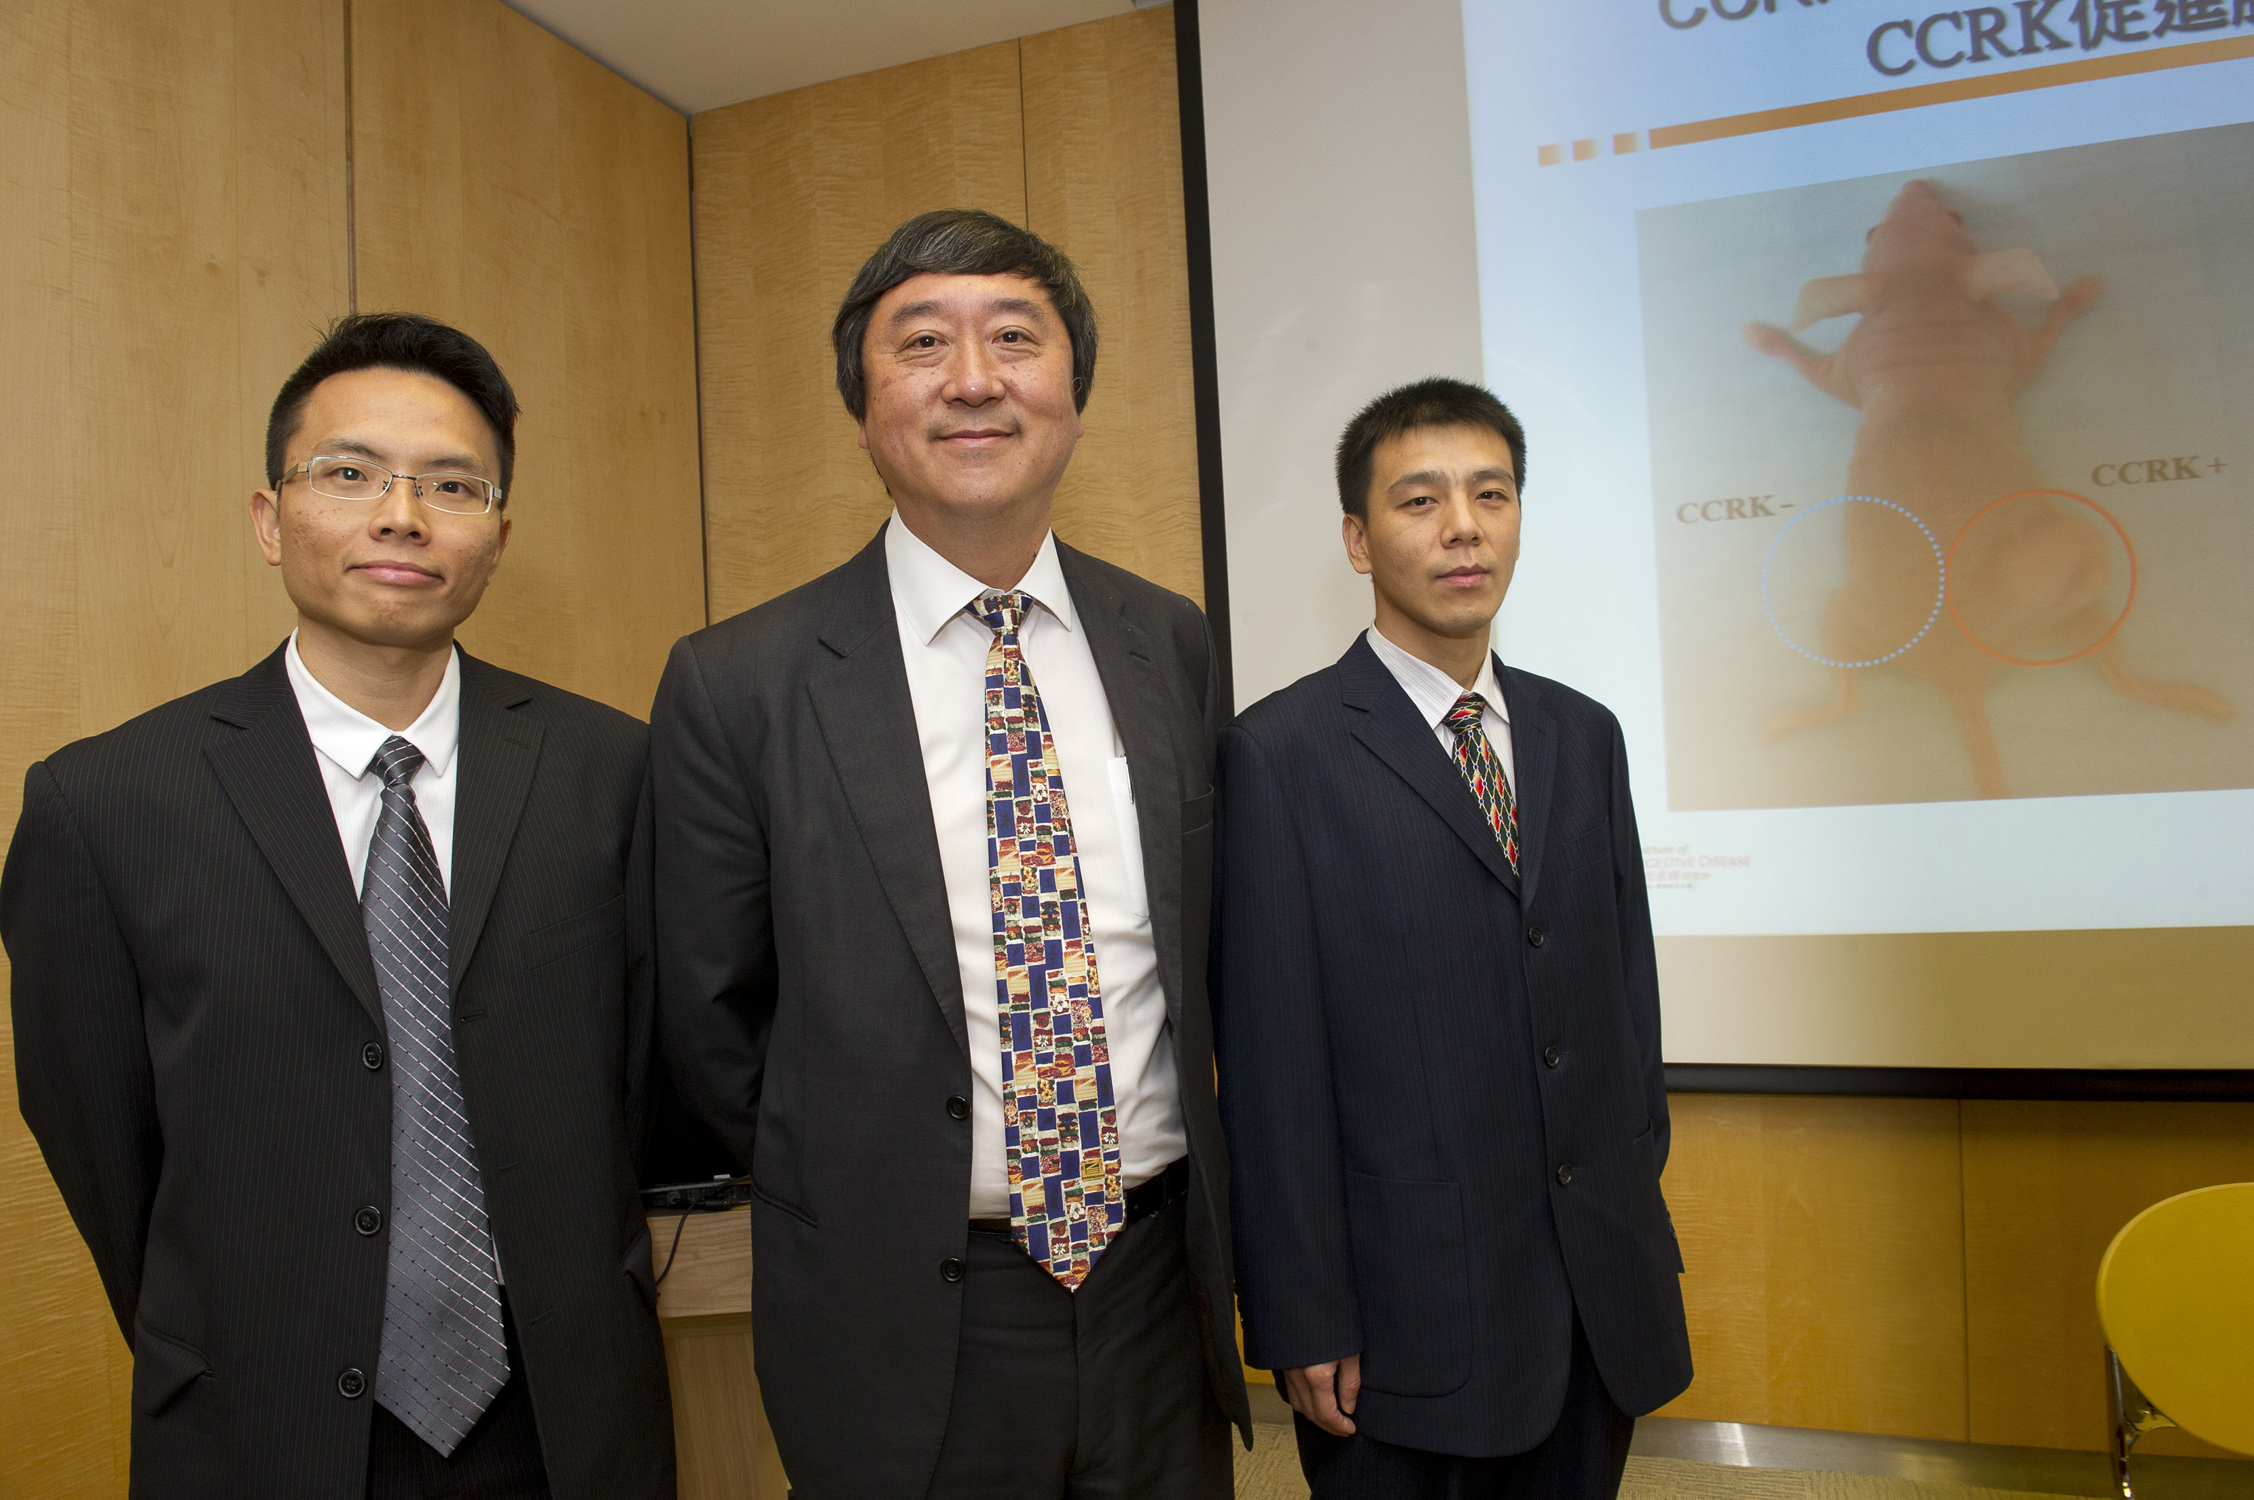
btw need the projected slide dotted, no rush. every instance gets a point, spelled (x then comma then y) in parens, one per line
(1911, 503)
(1889, 383)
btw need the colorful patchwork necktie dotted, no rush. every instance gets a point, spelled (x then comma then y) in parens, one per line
(1060, 1129)
(1483, 773)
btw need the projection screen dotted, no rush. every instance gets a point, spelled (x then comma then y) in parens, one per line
(1887, 373)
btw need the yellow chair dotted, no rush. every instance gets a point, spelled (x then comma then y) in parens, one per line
(2176, 1295)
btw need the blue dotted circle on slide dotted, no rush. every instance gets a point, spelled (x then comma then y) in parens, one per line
(1940, 585)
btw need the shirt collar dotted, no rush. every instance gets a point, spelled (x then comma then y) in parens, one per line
(928, 591)
(1433, 691)
(351, 739)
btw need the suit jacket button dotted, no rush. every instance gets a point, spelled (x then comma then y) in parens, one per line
(1565, 1175)
(368, 1220)
(952, 1269)
(1552, 1056)
(352, 1385)
(1536, 935)
(958, 1107)
(371, 1057)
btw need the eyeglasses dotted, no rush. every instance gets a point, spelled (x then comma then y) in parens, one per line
(343, 478)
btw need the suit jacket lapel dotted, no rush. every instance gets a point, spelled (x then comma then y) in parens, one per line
(869, 724)
(264, 760)
(499, 751)
(1533, 733)
(1139, 710)
(1393, 731)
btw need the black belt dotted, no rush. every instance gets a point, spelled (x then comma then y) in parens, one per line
(1143, 1200)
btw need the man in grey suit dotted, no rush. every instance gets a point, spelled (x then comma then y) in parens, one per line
(952, 1020)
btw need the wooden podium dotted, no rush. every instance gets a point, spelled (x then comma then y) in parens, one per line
(704, 1306)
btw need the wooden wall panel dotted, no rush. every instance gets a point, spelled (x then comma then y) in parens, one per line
(1103, 175)
(62, 1365)
(207, 252)
(171, 240)
(2047, 1186)
(516, 188)
(793, 193)
(727, 1451)
(715, 1397)
(1824, 1246)
(720, 1427)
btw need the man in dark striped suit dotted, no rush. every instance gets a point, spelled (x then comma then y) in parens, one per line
(333, 1000)
(1438, 1018)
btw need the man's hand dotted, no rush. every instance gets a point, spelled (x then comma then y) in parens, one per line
(1325, 1394)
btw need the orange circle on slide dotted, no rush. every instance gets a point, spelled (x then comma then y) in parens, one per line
(1949, 593)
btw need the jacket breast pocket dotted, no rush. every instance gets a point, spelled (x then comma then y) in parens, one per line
(576, 934)
(1197, 813)
(1413, 1282)
(1585, 848)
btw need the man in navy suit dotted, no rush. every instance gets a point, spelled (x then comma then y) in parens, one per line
(1438, 1018)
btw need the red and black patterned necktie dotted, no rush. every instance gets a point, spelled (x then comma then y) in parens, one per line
(1483, 773)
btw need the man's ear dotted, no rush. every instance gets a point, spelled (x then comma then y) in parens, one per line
(863, 429)
(266, 522)
(1356, 535)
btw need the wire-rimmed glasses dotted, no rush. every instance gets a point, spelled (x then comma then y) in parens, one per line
(344, 477)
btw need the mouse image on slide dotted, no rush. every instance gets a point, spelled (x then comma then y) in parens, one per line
(1934, 365)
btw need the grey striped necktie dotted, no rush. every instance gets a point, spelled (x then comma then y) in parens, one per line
(444, 1356)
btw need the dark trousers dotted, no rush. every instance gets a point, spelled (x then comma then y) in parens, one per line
(1581, 1459)
(1099, 1394)
(499, 1460)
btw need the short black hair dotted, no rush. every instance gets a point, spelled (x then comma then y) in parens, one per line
(1438, 402)
(398, 341)
(962, 242)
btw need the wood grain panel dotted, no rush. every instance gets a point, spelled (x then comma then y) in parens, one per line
(62, 1365)
(1824, 1244)
(705, 1260)
(206, 254)
(716, 1440)
(794, 192)
(2047, 1186)
(1103, 175)
(171, 241)
(515, 188)
(722, 1440)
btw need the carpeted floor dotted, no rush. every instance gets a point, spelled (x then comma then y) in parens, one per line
(1271, 1472)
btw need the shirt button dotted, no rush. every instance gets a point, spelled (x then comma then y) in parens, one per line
(352, 1385)
(958, 1107)
(1552, 1056)
(371, 1057)
(368, 1220)
(1536, 935)
(1565, 1175)
(952, 1269)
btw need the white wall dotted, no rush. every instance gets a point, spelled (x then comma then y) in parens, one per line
(1345, 262)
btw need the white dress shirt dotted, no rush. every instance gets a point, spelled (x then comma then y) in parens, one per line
(345, 740)
(945, 650)
(1434, 693)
